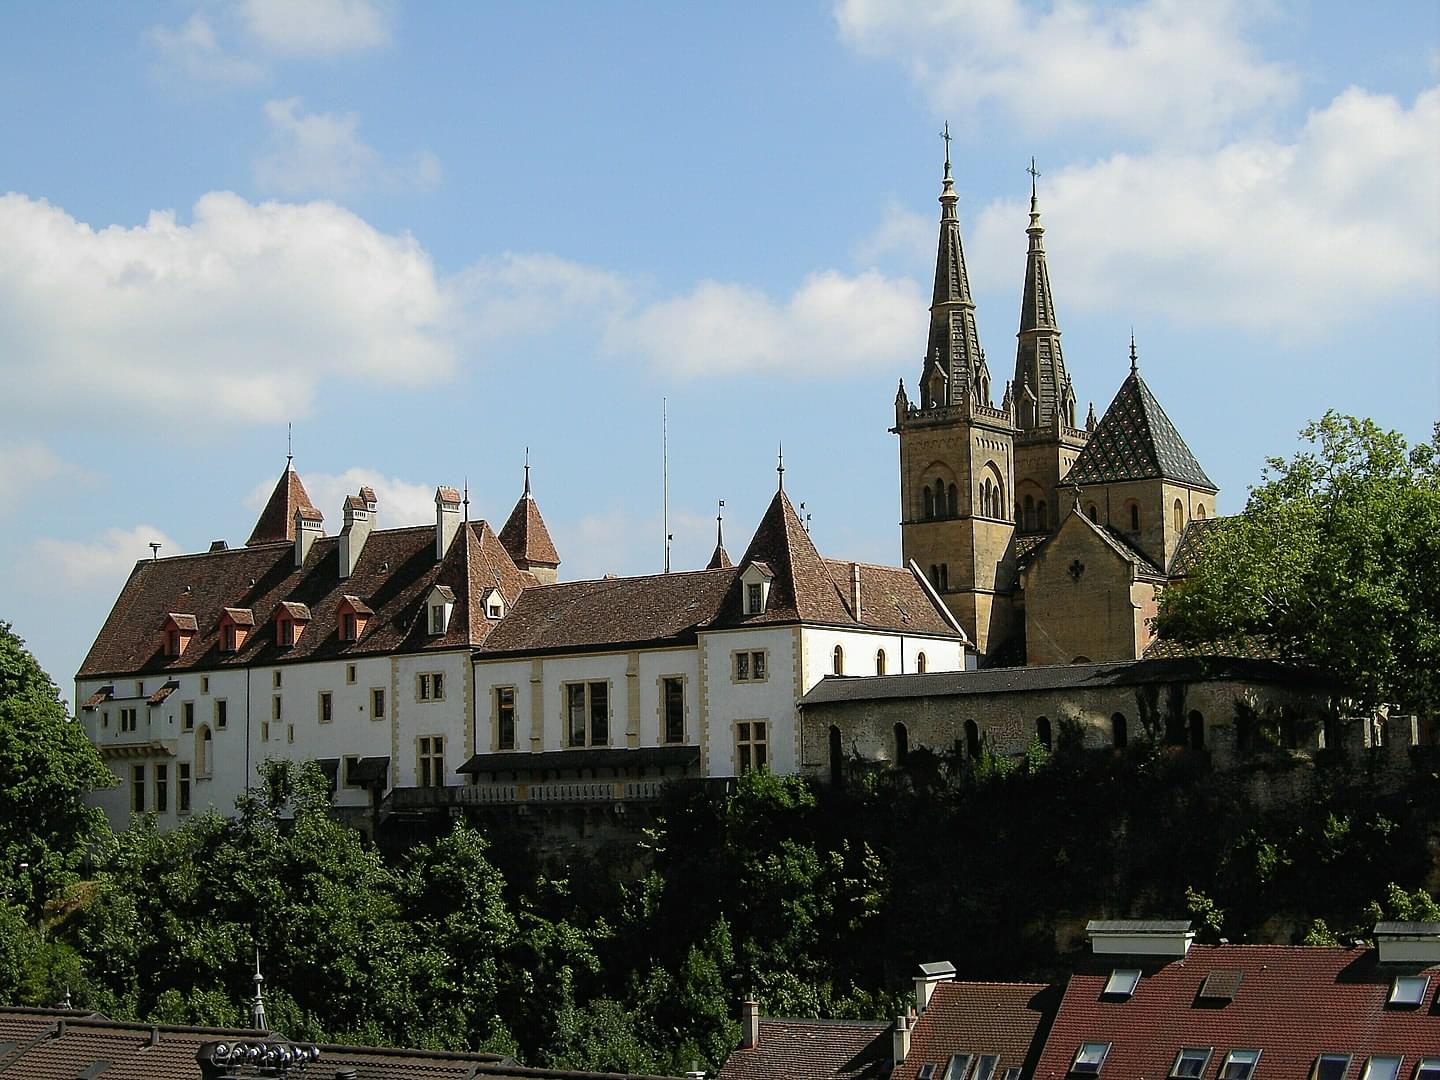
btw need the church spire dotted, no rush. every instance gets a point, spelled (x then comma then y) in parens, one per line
(952, 353)
(1039, 361)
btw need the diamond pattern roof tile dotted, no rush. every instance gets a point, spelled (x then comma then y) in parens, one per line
(1135, 440)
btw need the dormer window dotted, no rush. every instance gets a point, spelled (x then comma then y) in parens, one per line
(352, 614)
(438, 605)
(176, 633)
(755, 588)
(235, 627)
(494, 603)
(290, 622)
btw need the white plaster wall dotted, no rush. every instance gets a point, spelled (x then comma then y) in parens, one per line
(412, 718)
(728, 701)
(941, 654)
(654, 666)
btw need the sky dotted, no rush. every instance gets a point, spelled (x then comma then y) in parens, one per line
(430, 236)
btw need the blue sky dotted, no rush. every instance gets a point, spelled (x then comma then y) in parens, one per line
(433, 235)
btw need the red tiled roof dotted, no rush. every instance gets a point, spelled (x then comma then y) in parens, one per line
(159, 696)
(892, 599)
(812, 1050)
(180, 620)
(1293, 1003)
(525, 536)
(803, 590)
(298, 612)
(99, 697)
(980, 1018)
(277, 520)
(240, 616)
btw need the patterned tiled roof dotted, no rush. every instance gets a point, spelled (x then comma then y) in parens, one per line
(1292, 1003)
(1135, 440)
(812, 1050)
(1192, 544)
(980, 1018)
(277, 520)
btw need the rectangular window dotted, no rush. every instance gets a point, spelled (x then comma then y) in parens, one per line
(575, 714)
(204, 684)
(751, 746)
(182, 797)
(1331, 1067)
(1239, 1065)
(505, 718)
(187, 715)
(985, 1067)
(276, 710)
(1089, 1058)
(222, 713)
(227, 638)
(431, 769)
(1428, 1069)
(377, 704)
(137, 789)
(290, 733)
(348, 626)
(1383, 1067)
(327, 706)
(348, 767)
(750, 666)
(959, 1066)
(1409, 990)
(437, 618)
(139, 687)
(430, 686)
(104, 719)
(275, 679)
(587, 714)
(674, 695)
(162, 787)
(264, 730)
(1190, 1063)
(128, 719)
(742, 667)
(349, 673)
(287, 632)
(753, 605)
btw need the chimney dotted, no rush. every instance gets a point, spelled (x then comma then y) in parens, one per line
(1169, 938)
(749, 1024)
(931, 975)
(1408, 942)
(901, 1049)
(307, 528)
(855, 589)
(359, 520)
(447, 519)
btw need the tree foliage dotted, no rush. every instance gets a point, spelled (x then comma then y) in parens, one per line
(1335, 562)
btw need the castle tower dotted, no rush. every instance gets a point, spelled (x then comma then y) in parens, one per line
(1048, 440)
(526, 538)
(956, 455)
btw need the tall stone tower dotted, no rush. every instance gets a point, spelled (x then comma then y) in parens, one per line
(957, 468)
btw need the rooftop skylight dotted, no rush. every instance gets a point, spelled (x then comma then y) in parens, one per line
(1190, 1063)
(1239, 1065)
(1331, 1067)
(1409, 990)
(1383, 1067)
(1122, 982)
(1088, 1058)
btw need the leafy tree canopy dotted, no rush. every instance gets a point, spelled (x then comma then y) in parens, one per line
(1335, 562)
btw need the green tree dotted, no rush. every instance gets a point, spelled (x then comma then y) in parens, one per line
(47, 765)
(1334, 563)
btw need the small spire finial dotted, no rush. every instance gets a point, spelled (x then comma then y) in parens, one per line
(289, 443)
(257, 1007)
(945, 134)
(527, 470)
(720, 524)
(780, 468)
(467, 499)
(1034, 174)
(1134, 360)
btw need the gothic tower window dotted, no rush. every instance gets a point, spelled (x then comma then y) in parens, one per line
(954, 501)
(1093, 513)
(1179, 516)
(1199, 511)
(929, 503)
(1132, 509)
(944, 577)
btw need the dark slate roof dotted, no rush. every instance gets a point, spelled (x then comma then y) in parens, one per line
(1243, 647)
(600, 758)
(719, 558)
(842, 688)
(277, 520)
(1135, 440)
(1008, 1019)
(525, 536)
(1192, 544)
(1292, 1002)
(812, 1050)
(394, 573)
(1137, 926)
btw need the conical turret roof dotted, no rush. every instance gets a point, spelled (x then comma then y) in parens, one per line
(802, 587)
(1135, 440)
(525, 536)
(277, 520)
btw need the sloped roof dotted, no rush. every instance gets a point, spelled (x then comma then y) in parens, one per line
(812, 1050)
(803, 589)
(277, 520)
(1292, 1003)
(1112, 539)
(1135, 440)
(1008, 1019)
(719, 558)
(525, 536)
(395, 570)
(1192, 544)
(891, 599)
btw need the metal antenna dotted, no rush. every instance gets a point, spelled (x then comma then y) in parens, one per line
(665, 477)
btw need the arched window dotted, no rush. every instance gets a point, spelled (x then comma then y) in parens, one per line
(929, 503)
(1134, 516)
(1179, 516)
(944, 577)
(1042, 516)
(902, 744)
(972, 739)
(1175, 734)
(203, 755)
(920, 663)
(1093, 513)
(1200, 511)
(1029, 519)
(1197, 730)
(1042, 731)
(954, 501)
(839, 660)
(939, 497)
(1119, 733)
(837, 761)
(879, 661)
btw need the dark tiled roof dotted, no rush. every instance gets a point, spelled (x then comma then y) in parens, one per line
(1292, 1003)
(99, 697)
(980, 1018)
(277, 520)
(812, 1050)
(802, 589)
(159, 696)
(1192, 543)
(1135, 440)
(395, 570)
(1244, 647)
(836, 688)
(891, 598)
(525, 536)
(719, 559)
(612, 758)
(180, 620)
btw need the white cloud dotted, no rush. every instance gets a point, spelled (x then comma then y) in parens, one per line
(401, 502)
(1169, 69)
(194, 51)
(322, 153)
(614, 541)
(520, 292)
(901, 233)
(105, 561)
(1272, 236)
(316, 28)
(239, 314)
(26, 466)
(833, 324)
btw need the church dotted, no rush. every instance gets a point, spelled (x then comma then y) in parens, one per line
(1049, 539)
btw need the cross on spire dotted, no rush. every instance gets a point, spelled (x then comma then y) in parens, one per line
(945, 134)
(1034, 175)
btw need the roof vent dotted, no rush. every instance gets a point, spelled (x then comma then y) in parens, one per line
(1408, 942)
(219, 545)
(1140, 937)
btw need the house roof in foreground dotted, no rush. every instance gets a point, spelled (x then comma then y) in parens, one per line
(812, 1050)
(1003, 1019)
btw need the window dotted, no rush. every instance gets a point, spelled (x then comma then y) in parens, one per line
(1088, 1058)
(228, 638)
(1042, 516)
(437, 618)
(1240, 1064)
(221, 713)
(750, 666)
(929, 503)
(1330, 1067)
(290, 733)
(1179, 516)
(347, 766)
(203, 757)
(505, 718)
(350, 673)
(1122, 982)
(958, 1067)
(275, 679)
(494, 610)
(1134, 516)
(287, 632)
(1028, 514)
(137, 789)
(972, 739)
(879, 661)
(105, 719)
(838, 661)
(1409, 990)
(927, 1071)
(182, 796)
(377, 703)
(944, 577)
(587, 713)
(1197, 730)
(1382, 1067)
(1200, 511)
(327, 706)
(204, 684)
(139, 687)
(128, 719)
(674, 695)
(162, 792)
(1042, 731)
(985, 1067)
(753, 602)
(430, 686)
(1092, 513)
(276, 709)
(751, 746)
(1119, 733)
(431, 761)
(920, 663)
(1428, 1069)
(349, 628)
(1190, 1063)
(264, 730)
(187, 715)
(954, 502)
